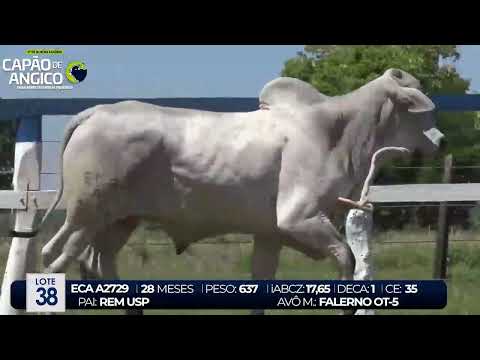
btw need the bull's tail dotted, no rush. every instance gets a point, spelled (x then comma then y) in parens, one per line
(71, 127)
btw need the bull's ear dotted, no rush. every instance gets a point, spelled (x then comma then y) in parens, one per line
(414, 100)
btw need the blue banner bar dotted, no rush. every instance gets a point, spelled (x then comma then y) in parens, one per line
(460, 102)
(240, 294)
(15, 108)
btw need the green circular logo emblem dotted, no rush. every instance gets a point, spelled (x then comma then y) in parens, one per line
(76, 72)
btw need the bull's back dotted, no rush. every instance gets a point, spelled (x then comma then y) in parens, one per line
(179, 165)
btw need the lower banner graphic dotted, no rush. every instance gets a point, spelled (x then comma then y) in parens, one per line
(52, 293)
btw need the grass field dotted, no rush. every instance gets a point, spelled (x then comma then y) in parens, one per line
(231, 261)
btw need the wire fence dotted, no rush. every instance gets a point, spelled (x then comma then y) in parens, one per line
(250, 242)
(205, 242)
(10, 171)
(417, 205)
(426, 241)
(436, 167)
(239, 242)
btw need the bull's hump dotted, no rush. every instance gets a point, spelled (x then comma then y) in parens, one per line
(290, 92)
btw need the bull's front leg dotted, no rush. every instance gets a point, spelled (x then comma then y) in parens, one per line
(317, 238)
(266, 252)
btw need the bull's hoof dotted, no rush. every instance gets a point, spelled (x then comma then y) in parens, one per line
(257, 312)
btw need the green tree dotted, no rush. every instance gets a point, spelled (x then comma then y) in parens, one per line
(339, 69)
(336, 69)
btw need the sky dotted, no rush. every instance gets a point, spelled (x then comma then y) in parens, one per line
(172, 71)
(163, 71)
(181, 71)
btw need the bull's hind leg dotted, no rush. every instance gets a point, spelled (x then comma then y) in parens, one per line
(76, 243)
(317, 238)
(266, 252)
(105, 245)
(99, 260)
(53, 248)
(71, 240)
(68, 234)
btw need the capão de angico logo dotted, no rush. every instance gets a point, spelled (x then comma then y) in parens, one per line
(76, 72)
(38, 71)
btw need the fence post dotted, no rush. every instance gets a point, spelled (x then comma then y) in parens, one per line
(358, 231)
(22, 254)
(441, 249)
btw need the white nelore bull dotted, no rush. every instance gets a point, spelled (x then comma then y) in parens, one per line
(275, 173)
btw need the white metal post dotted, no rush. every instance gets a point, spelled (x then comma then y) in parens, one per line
(358, 230)
(359, 225)
(22, 254)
